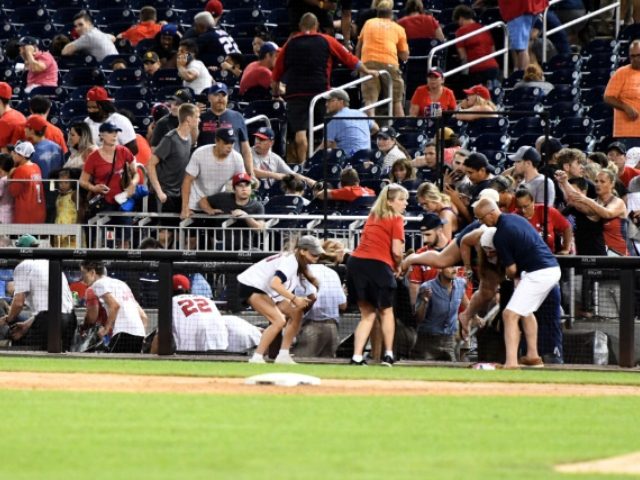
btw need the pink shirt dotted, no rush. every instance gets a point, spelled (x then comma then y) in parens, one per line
(49, 76)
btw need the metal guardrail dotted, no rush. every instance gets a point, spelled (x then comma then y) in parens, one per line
(387, 101)
(503, 51)
(546, 33)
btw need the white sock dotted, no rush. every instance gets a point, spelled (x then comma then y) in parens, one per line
(389, 352)
(283, 352)
(257, 355)
(357, 358)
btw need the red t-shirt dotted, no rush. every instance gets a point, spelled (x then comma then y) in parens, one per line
(99, 170)
(477, 47)
(10, 121)
(52, 133)
(422, 99)
(627, 175)
(556, 224)
(255, 75)
(510, 9)
(422, 273)
(349, 194)
(141, 31)
(29, 206)
(144, 150)
(377, 236)
(419, 26)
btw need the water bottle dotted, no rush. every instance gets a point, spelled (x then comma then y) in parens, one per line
(435, 110)
(106, 339)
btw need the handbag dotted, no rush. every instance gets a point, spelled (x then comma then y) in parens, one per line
(98, 203)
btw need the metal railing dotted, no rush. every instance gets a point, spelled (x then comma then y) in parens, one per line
(503, 51)
(547, 33)
(389, 100)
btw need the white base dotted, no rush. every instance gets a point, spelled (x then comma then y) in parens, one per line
(282, 379)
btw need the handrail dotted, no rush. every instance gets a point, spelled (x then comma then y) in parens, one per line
(311, 129)
(258, 118)
(503, 51)
(587, 16)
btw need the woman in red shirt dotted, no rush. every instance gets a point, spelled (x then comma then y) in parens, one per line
(417, 24)
(434, 91)
(372, 268)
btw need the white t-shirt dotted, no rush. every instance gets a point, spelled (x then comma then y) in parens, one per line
(198, 325)
(128, 319)
(260, 275)
(31, 277)
(127, 135)
(392, 155)
(242, 335)
(211, 173)
(202, 81)
(328, 298)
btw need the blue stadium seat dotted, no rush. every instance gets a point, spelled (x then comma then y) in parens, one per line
(335, 156)
(409, 124)
(316, 172)
(157, 4)
(7, 31)
(561, 110)
(126, 77)
(574, 126)
(73, 108)
(144, 46)
(581, 142)
(79, 77)
(132, 61)
(186, 17)
(55, 5)
(360, 206)
(512, 79)
(62, 16)
(528, 139)
(132, 93)
(99, 4)
(52, 93)
(44, 31)
(561, 93)
(238, 4)
(284, 204)
(166, 77)
(483, 125)
(563, 62)
(527, 126)
(69, 62)
(79, 93)
(599, 45)
(598, 61)
(600, 111)
(106, 16)
(523, 95)
(596, 77)
(189, 4)
(28, 14)
(412, 141)
(489, 141)
(139, 108)
(629, 33)
(592, 96)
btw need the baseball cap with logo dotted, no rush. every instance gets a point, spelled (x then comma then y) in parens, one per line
(180, 282)
(24, 148)
(435, 72)
(265, 133)
(150, 57)
(27, 241)
(311, 244)
(109, 127)
(479, 90)
(621, 147)
(181, 96)
(36, 123)
(430, 221)
(387, 132)
(227, 135)
(241, 178)
(26, 40)
(218, 87)
(526, 153)
(214, 7)
(169, 29)
(266, 48)
(6, 91)
(98, 94)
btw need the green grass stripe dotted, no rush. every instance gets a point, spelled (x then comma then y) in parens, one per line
(67, 436)
(243, 369)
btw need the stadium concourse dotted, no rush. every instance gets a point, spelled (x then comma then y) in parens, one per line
(125, 128)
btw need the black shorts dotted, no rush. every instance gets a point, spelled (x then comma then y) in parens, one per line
(298, 113)
(245, 291)
(371, 281)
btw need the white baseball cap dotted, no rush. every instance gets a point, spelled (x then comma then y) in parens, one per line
(486, 240)
(489, 193)
(24, 148)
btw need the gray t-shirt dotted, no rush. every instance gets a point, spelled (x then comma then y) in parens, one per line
(211, 173)
(270, 163)
(173, 152)
(96, 43)
(536, 187)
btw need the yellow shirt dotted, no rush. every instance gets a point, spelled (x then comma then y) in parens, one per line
(382, 39)
(66, 210)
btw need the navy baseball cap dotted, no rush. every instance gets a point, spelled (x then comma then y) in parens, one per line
(227, 135)
(28, 41)
(265, 133)
(430, 221)
(218, 88)
(109, 127)
(169, 29)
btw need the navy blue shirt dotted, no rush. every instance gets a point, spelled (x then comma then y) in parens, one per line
(516, 241)
(469, 228)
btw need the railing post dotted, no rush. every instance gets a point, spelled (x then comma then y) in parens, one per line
(165, 307)
(627, 325)
(54, 322)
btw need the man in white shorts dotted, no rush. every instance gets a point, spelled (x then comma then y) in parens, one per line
(528, 260)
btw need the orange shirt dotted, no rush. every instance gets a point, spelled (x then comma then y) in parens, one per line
(349, 194)
(422, 99)
(144, 150)
(52, 133)
(382, 39)
(377, 236)
(28, 194)
(624, 85)
(140, 31)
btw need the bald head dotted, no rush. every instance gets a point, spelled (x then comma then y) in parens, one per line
(308, 23)
(482, 210)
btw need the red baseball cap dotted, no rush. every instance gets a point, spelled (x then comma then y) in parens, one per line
(479, 90)
(180, 282)
(241, 177)
(98, 94)
(214, 7)
(36, 123)
(6, 91)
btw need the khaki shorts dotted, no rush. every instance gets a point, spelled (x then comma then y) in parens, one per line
(371, 88)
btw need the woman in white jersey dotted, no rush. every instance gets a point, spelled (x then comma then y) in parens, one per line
(268, 288)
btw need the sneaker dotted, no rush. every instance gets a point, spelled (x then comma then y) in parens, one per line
(284, 359)
(362, 363)
(535, 362)
(257, 360)
(388, 361)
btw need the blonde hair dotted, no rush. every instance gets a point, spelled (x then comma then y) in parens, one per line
(381, 208)
(533, 73)
(430, 191)
(332, 247)
(591, 170)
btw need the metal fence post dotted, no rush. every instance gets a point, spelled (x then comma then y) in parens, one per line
(627, 326)
(54, 322)
(165, 304)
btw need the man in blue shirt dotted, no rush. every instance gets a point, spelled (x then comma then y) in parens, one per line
(528, 260)
(350, 135)
(437, 315)
(47, 154)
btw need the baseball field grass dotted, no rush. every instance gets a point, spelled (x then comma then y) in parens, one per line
(107, 435)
